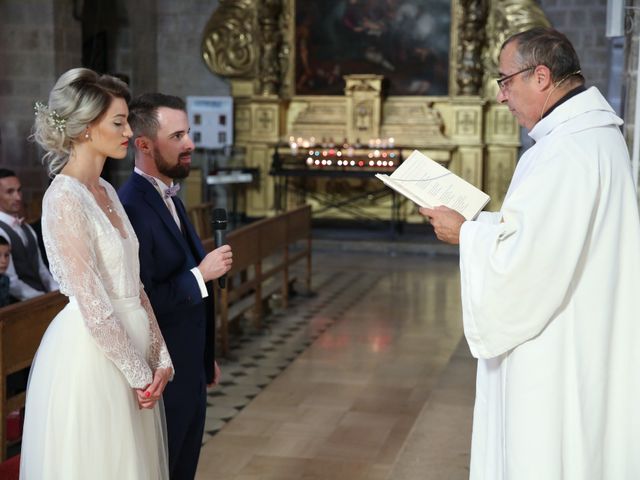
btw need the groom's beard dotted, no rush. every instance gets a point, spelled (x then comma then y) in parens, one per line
(176, 171)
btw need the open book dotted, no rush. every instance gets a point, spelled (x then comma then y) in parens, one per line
(429, 184)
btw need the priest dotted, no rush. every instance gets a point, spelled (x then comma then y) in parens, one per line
(550, 282)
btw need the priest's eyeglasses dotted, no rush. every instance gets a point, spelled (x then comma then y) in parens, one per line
(503, 81)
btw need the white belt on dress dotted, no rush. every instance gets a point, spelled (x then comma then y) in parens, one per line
(119, 304)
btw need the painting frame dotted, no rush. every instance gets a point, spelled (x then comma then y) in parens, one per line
(408, 78)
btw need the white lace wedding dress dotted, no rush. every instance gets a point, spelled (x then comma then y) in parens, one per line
(82, 419)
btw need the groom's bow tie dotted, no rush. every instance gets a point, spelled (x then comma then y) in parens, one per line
(172, 190)
(17, 221)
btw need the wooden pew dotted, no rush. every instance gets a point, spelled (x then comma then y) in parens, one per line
(299, 230)
(262, 251)
(200, 216)
(22, 326)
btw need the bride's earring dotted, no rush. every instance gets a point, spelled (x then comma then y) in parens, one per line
(87, 135)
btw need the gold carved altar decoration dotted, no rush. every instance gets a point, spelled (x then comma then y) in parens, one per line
(252, 43)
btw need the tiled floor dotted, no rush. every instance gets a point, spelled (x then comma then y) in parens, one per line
(348, 384)
(256, 358)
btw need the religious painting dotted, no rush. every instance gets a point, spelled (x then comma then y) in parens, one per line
(406, 41)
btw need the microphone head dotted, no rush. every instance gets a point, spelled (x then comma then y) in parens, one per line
(219, 218)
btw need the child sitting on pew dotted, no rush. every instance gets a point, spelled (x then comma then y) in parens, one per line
(5, 258)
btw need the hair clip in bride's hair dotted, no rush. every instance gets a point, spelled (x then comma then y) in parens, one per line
(53, 118)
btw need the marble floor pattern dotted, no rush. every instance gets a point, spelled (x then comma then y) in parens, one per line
(365, 379)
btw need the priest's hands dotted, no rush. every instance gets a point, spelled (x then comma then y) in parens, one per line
(216, 263)
(446, 223)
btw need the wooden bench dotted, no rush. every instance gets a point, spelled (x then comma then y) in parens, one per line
(200, 216)
(263, 253)
(22, 326)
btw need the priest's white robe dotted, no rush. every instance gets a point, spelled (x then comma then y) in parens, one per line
(550, 294)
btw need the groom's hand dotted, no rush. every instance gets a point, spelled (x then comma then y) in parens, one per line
(216, 375)
(216, 263)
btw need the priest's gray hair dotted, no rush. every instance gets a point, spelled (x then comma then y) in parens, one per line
(549, 47)
(78, 98)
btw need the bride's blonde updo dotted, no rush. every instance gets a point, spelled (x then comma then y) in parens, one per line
(79, 97)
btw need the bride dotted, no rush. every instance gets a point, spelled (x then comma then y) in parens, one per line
(94, 407)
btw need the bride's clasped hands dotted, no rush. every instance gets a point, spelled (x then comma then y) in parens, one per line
(149, 396)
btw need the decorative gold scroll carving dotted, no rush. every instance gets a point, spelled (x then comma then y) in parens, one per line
(319, 117)
(269, 12)
(322, 113)
(229, 46)
(416, 123)
(471, 39)
(252, 42)
(284, 52)
(364, 104)
(506, 18)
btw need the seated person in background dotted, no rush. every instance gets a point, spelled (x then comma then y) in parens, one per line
(28, 275)
(5, 259)
(37, 228)
(16, 382)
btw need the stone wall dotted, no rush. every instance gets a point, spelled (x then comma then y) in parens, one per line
(632, 40)
(155, 43)
(181, 69)
(584, 23)
(631, 72)
(38, 40)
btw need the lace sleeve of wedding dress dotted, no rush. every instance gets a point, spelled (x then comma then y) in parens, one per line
(158, 353)
(68, 236)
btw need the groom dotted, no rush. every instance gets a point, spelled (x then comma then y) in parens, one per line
(174, 269)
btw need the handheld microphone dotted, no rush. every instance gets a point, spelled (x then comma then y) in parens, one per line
(219, 224)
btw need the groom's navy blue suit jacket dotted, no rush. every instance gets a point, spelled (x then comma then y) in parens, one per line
(166, 257)
(186, 319)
